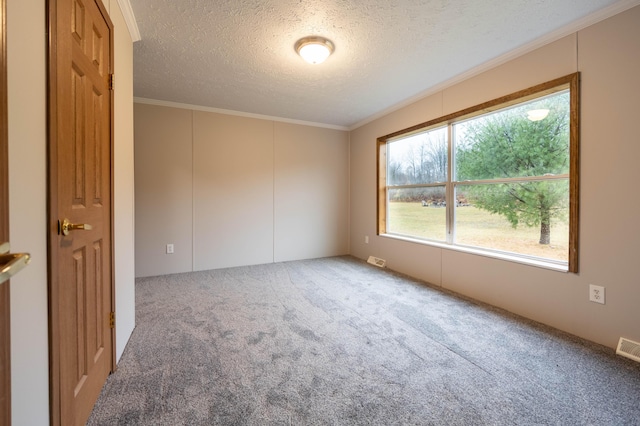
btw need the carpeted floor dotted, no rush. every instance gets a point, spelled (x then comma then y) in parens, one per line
(339, 342)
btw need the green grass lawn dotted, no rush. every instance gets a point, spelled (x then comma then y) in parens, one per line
(478, 228)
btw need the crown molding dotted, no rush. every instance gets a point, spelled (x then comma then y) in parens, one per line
(130, 20)
(236, 113)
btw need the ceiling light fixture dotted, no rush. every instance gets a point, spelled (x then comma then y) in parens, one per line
(314, 49)
(537, 114)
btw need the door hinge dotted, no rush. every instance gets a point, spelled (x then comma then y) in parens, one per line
(111, 81)
(112, 319)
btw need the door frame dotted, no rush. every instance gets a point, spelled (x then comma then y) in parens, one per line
(52, 206)
(5, 320)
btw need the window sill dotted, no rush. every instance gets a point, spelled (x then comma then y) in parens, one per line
(539, 263)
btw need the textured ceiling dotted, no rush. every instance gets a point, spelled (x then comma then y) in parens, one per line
(238, 54)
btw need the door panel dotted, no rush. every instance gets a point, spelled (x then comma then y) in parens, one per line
(81, 188)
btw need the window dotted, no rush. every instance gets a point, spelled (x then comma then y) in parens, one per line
(499, 178)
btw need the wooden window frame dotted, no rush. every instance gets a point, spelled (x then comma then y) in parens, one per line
(571, 82)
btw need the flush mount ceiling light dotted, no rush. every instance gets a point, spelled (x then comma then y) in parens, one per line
(537, 114)
(314, 49)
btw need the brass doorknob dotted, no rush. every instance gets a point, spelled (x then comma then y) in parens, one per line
(11, 263)
(67, 227)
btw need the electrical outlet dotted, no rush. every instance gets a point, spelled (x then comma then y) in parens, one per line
(596, 293)
(169, 248)
(366, 239)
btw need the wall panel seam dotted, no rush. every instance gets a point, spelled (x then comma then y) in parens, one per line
(193, 198)
(273, 192)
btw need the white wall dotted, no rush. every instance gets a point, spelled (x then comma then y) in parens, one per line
(607, 56)
(28, 209)
(232, 191)
(229, 190)
(311, 192)
(163, 184)
(27, 45)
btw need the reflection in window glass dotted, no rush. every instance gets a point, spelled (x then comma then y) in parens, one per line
(509, 143)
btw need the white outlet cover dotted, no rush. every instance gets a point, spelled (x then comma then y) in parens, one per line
(596, 294)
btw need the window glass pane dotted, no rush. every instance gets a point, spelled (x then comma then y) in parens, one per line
(418, 212)
(528, 218)
(419, 158)
(530, 139)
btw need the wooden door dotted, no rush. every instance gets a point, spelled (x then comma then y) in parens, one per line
(5, 328)
(80, 161)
